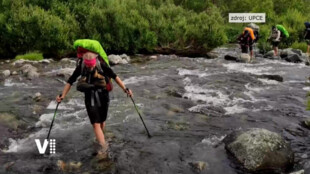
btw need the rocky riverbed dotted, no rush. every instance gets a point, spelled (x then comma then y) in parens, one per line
(189, 105)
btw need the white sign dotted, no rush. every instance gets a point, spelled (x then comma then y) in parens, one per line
(247, 17)
(42, 149)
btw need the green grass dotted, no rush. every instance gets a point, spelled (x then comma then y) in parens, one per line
(35, 56)
(300, 45)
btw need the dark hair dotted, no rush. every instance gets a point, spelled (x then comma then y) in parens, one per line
(273, 27)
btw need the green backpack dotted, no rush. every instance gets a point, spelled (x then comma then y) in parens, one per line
(283, 30)
(91, 45)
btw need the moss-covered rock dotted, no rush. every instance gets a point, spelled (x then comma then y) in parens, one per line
(259, 149)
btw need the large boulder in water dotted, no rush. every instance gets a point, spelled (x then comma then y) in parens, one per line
(293, 58)
(269, 54)
(291, 55)
(116, 59)
(30, 71)
(212, 55)
(259, 149)
(6, 73)
(286, 52)
(245, 58)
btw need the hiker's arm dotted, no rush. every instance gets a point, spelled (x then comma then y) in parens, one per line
(112, 75)
(279, 35)
(70, 81)
(64, 92)
(122, 85)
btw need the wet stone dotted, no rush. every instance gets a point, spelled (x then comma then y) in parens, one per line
(198, 166)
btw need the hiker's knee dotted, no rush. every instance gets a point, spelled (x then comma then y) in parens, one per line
(97, 125)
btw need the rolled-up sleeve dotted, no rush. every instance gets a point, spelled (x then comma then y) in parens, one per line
(108, 71)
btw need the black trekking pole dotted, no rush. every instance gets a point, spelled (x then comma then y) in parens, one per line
(148, 133)
(48, 135)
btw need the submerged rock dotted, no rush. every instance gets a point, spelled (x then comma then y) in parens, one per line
(198, 166)
(69, 167)
(259, 149)
(37, 97)
(307, 123)
(271, 77)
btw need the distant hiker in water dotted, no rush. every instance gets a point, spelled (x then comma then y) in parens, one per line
(307, 37)
(275, 39)
(95, 81)
(246, 40)
(255, 29)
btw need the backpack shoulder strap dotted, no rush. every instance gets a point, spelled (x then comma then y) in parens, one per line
(98, 65)
(82, 67)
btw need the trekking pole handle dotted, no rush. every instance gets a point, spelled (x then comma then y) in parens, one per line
(60, 98)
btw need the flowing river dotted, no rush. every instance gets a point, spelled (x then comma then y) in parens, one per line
(188, 104)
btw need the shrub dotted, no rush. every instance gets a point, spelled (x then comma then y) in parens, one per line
(35, 56)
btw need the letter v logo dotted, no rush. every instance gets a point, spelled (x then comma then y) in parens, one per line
(41, 149)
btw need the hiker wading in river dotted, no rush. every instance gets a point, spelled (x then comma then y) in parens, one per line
(95, 81)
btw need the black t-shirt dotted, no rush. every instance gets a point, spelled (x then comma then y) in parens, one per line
(77, 72)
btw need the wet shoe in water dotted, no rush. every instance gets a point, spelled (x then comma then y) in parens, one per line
(103, 153)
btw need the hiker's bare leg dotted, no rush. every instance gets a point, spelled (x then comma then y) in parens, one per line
(308, 50)
(251, 54)
(275, 51)
(99, 134)
(102, 125)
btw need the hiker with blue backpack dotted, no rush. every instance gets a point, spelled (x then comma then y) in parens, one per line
(95, 81)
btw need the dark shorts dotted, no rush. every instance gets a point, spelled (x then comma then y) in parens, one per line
(251, 47)
(275, 44)
(308, 41)
(244, 48)
(97, 110)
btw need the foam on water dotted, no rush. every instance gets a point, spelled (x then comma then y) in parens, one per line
(135, 79)
(9, 83)
(268, 82)
(61, 124)
(212, 97)
(196, 72)
(211, 141)
(235, 109)
(248, 68)
(63, 106)
(306, 88)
